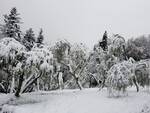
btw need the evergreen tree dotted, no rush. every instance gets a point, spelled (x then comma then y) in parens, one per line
(11, 28)
(29, 39)
(40, 38)
(103, 44)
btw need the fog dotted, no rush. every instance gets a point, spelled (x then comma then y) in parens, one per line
(82, 20)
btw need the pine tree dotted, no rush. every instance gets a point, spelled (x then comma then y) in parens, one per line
(103, 44)
(105, 37)
(40, 38)
(29, 39)
(11, 28)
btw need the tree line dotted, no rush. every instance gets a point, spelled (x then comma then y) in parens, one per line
(28, 64)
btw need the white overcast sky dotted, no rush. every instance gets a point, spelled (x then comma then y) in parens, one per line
(82, 20)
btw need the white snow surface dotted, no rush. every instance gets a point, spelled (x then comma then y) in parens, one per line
(75, 101)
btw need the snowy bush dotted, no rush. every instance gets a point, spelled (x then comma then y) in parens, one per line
(142, 72)
(119, 77)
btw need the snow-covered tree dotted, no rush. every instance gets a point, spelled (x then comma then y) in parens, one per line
(11, 28)
(117, 47)
(103, 44)
(133, 51)
(70, 63)
(100, 62)
(78, 55)
(11, 53)
(61, 49)
(23, 67)
(96, 67)
(29, 39)
(77, 59)
(142, 72)
(138, 48)
(40, 38)
(120, 76)
(38, 64)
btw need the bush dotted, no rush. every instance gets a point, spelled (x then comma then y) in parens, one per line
(119, 77)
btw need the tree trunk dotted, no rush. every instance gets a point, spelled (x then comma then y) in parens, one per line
(38, 85)
(17, 94)
(75, 75)
(77, 81)
(32, 82)
(60, 80)
(12, 84)
(137, 87)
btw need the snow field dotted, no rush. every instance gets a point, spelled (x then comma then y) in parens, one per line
(75, 101)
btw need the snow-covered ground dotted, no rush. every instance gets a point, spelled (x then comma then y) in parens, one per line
(75, 101)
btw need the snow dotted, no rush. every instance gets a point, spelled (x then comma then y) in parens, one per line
(76, 101)
(38, 54)
(9, 47)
